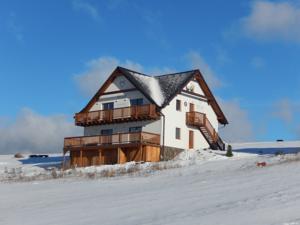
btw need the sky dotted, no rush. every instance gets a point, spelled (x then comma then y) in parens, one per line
(54, 55)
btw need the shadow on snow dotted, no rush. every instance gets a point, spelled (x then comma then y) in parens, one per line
(269, 151)
(51, 161)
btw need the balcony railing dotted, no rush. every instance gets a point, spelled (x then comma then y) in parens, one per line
(132, 113)
(114, 139)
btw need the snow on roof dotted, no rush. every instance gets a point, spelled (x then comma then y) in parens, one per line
(159, 88)
(151, 85)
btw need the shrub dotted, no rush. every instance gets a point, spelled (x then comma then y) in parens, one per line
(229, 151)
(19, 155)
(54, 173)
(277, 153)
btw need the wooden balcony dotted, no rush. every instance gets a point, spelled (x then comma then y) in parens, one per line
(201, 121)
(132, 113)
(112, 140)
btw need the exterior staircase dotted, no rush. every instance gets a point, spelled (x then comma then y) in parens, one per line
(200, 121)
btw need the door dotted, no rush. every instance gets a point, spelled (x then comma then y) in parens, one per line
(192, 107)
(106, 136)
(191, 139)
(108, 105)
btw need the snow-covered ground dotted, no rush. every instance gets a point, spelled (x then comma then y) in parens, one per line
(203, 187)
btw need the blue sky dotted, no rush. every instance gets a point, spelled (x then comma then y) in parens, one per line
(54, 54)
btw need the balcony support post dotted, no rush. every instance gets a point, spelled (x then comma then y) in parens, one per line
(119, 160)
(100, 156)
(81, 160)
(142, 152)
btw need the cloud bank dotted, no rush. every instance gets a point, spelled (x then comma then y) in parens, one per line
(273, 20)
(240, 128)
(35, 133)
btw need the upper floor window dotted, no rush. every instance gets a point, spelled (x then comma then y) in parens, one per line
(135, 129)
(178, 105)
(136, 101)
(107, 132)
(177, 133)
(108, 105)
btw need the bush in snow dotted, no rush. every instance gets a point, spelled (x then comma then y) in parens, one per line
(18, 155)
(279, 153)
(229, 151)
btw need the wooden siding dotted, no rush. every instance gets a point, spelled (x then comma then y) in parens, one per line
(103, 156)
(132, 113)
(112, 149)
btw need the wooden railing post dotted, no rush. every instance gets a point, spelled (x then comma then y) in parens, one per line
(110, 115)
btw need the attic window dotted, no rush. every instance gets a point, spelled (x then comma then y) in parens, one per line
(178, 105)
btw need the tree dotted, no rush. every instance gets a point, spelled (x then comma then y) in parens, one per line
(229, 151)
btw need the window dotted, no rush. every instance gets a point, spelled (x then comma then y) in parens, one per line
(108, 105)
(178, 105)
(177, 133)
(135, 129)
(136, 101)
(107, 132)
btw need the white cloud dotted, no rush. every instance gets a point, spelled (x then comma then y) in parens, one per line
(273, 20)
(86, 7)
(240, 127)
(97, 72)
(35, 133)
(284, 110)
(196, 61)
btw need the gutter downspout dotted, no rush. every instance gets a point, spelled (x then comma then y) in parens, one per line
(163, 135)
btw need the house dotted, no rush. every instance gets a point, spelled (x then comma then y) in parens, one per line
(136, 117)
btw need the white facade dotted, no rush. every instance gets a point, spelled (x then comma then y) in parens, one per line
(173, 118)
(177, 119)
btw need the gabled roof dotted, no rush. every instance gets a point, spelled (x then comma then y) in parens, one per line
(160, 90)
